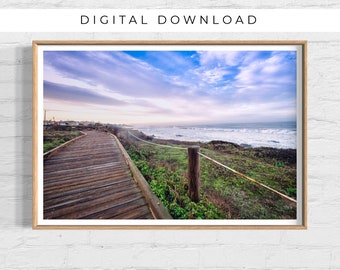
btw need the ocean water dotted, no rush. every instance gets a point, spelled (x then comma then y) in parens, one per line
(277, 135)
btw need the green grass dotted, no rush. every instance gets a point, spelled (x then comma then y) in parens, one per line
(53, 144)
(164, 169)
(248, 200)
(223, 193)
(53, 139)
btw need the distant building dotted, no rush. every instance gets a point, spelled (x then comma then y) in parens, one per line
(68, 123)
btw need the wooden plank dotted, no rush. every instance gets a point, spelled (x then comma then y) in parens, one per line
(79, 182)
(119, 212)
(90, 179)
(84, 189)
(93, 174)
(63, 199)
(91, 205)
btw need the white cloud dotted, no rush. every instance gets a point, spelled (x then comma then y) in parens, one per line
(221, 58)
(215, 86)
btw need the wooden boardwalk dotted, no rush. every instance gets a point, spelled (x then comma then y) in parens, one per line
(89, 179)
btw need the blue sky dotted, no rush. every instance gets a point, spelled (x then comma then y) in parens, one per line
(170, 87)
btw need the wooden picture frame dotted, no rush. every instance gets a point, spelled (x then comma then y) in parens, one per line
(261, 81)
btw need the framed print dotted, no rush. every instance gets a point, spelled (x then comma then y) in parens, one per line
(169, 135)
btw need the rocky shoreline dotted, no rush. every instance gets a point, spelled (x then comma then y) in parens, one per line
(286, 156)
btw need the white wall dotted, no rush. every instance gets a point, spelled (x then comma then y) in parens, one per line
(316, 248)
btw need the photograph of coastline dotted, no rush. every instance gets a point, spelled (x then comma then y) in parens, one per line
(171, 132)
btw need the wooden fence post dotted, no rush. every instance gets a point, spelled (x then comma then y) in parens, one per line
(194, 173)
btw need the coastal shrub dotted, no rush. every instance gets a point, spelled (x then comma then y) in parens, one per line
(53, 144)
(223, 193)
(54, 138)
(246, 199)
(292, 192)
(279, 164)
(171, 187)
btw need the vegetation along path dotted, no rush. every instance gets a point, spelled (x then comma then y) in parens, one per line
(89, 179)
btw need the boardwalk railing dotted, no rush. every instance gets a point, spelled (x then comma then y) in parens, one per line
(194, 170)
(156, 206)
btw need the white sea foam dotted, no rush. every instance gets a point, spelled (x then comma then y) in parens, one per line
(278, 135)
